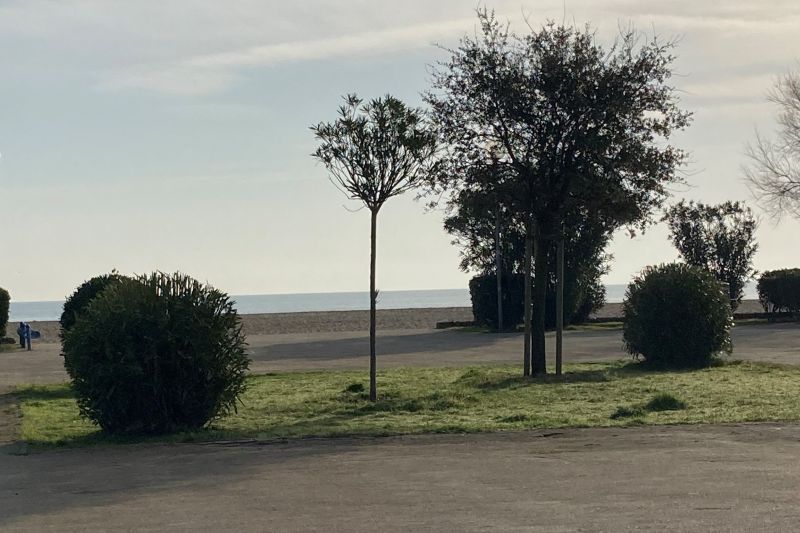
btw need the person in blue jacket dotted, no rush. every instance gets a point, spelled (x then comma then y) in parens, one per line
(22, 333)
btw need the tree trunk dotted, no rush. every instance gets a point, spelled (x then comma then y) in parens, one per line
(538, 356)
(373, 385)
(498, 270)
(559, 304)
(527, 346)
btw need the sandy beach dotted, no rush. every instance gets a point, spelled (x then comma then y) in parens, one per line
(340, 321)
(317, 322)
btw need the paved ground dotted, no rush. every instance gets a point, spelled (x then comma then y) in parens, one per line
(689, 478)
(693, 478)
(320, 351)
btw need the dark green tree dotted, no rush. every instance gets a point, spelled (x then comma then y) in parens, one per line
(719, 238)
(471, 222)
(375, 151)
(576, 125)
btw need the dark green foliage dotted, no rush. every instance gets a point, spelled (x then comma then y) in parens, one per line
(156, 354)
(779, 290)
(5, 302)
(676, 316)
(83, 295)
(564, 124)
(718, 238)
(627, 412)
(584, 293)
(658, 403)
(483, 291)
(375, 150)
(664, 402)
(355, 387)
(472, 225)
(579, 301)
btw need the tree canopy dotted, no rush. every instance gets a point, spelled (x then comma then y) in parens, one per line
(575, 123)
(377, 150)
(575, 126)
(718, 238)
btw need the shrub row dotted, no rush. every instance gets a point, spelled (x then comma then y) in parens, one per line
(779, 290)
(579, 301)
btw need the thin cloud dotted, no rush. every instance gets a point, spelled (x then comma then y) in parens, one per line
(209, 73)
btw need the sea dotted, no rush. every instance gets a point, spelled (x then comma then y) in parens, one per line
(323, 301)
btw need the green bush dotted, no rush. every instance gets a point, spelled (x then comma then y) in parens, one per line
(83, 295)
(156, 354)
(779, 290)
(5, 302)
(483, 292)
(676, 316)
(580, 300)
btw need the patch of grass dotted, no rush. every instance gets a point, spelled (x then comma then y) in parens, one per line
(355, 387)
(627, 412)
(659, 403)
(664, 402)
(434, 400)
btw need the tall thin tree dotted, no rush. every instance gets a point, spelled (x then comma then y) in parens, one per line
(374, 151)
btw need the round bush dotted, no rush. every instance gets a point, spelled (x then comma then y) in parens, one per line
(156, 354)
(676, 316)
(779, 290)
(79, 300)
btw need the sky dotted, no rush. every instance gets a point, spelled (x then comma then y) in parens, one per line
(175, 135)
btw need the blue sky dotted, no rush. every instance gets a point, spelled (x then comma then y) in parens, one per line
(174, 135)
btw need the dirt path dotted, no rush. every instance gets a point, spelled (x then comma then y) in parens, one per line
(687, 478)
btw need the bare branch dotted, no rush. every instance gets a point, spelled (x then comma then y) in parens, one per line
(773, 175)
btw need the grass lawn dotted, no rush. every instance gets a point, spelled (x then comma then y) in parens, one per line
(495, 398)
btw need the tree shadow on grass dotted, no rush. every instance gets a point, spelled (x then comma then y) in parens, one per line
(481, 381)
(43, 393)
(641, 367)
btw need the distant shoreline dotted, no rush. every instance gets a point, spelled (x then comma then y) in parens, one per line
(358, 320)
